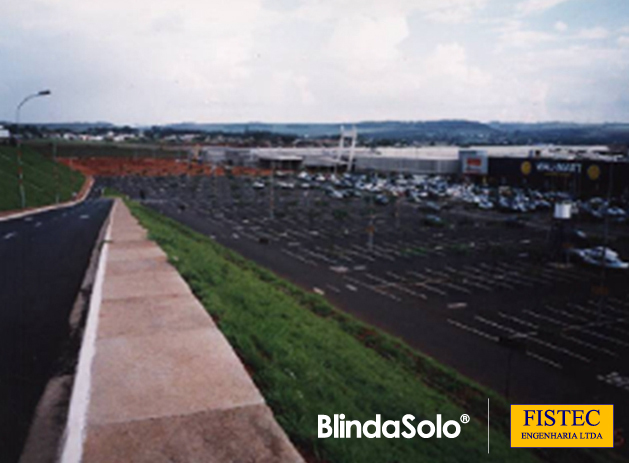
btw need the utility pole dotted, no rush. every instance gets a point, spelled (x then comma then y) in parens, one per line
(603, 288)
(272, 192)
(56, 167)
(371, 228)
(20, 166)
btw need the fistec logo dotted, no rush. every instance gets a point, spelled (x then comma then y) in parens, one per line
(562, 425)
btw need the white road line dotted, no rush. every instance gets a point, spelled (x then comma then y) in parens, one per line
(38, 224)
(334, 289)
(544, 360)
(473, 330)
(72, 451)
(560, 349)
(10, 235)
(590, 345)
(518, 320)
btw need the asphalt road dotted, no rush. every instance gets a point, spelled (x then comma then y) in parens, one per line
(43, 259)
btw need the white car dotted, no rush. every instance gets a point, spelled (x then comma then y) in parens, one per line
(601, 257)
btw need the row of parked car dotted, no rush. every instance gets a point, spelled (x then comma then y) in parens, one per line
(422, 188)
(427, 192)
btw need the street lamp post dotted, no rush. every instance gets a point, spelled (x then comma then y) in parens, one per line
(19, 145)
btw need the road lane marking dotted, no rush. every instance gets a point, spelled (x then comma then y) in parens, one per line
(10, 235)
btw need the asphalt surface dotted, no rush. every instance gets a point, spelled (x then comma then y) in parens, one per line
(43, 259)
(451, 336)
(528, 380)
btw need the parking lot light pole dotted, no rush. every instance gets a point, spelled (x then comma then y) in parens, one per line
(272, 192)
(20, 170)
(514, 343)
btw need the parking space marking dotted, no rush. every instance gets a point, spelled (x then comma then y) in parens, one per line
(589, 345)
(334, 289)
(563, 350)
(473, 330)
(518, 320)
(544, 360)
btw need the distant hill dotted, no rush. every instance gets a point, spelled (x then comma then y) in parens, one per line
(564, 133)
(373, 129)
(77, 126)
(459, 132)
(443, 131)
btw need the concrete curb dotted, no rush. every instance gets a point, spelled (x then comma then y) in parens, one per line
(73, 438)
(157, 380)
(85, 191)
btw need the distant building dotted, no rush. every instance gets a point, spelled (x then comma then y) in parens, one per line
(5, 136)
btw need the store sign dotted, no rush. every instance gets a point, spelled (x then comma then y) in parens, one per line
(558, 167)
(473, 162)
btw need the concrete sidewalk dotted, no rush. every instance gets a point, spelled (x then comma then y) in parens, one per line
(165, 383)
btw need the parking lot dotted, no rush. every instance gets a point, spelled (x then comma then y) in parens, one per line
(473, 288)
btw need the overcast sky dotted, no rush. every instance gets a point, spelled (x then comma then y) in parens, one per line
(160, 61)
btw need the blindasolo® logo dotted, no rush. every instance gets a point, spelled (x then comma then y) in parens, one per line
(562, 425)
(337, 428)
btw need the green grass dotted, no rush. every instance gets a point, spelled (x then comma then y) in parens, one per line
(40, 184)
(307, 358)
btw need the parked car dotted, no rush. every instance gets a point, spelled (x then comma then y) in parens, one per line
(601, 257)
(433, 220)
(381, 200)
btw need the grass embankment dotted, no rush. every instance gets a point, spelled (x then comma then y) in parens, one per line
(308, 359)
(40, 183)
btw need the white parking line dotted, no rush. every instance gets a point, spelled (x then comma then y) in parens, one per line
(544, 360)
(473, 330)
(590, 345)
(334, 289)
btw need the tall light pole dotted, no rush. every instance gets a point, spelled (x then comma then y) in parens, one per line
(19, 145)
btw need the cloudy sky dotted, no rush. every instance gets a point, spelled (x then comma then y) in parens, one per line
(160, 61)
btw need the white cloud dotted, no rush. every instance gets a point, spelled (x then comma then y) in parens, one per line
(455, 12)
(594, 33)
(514, 34)
(561, 26)
(306, 60)
(528, 7)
